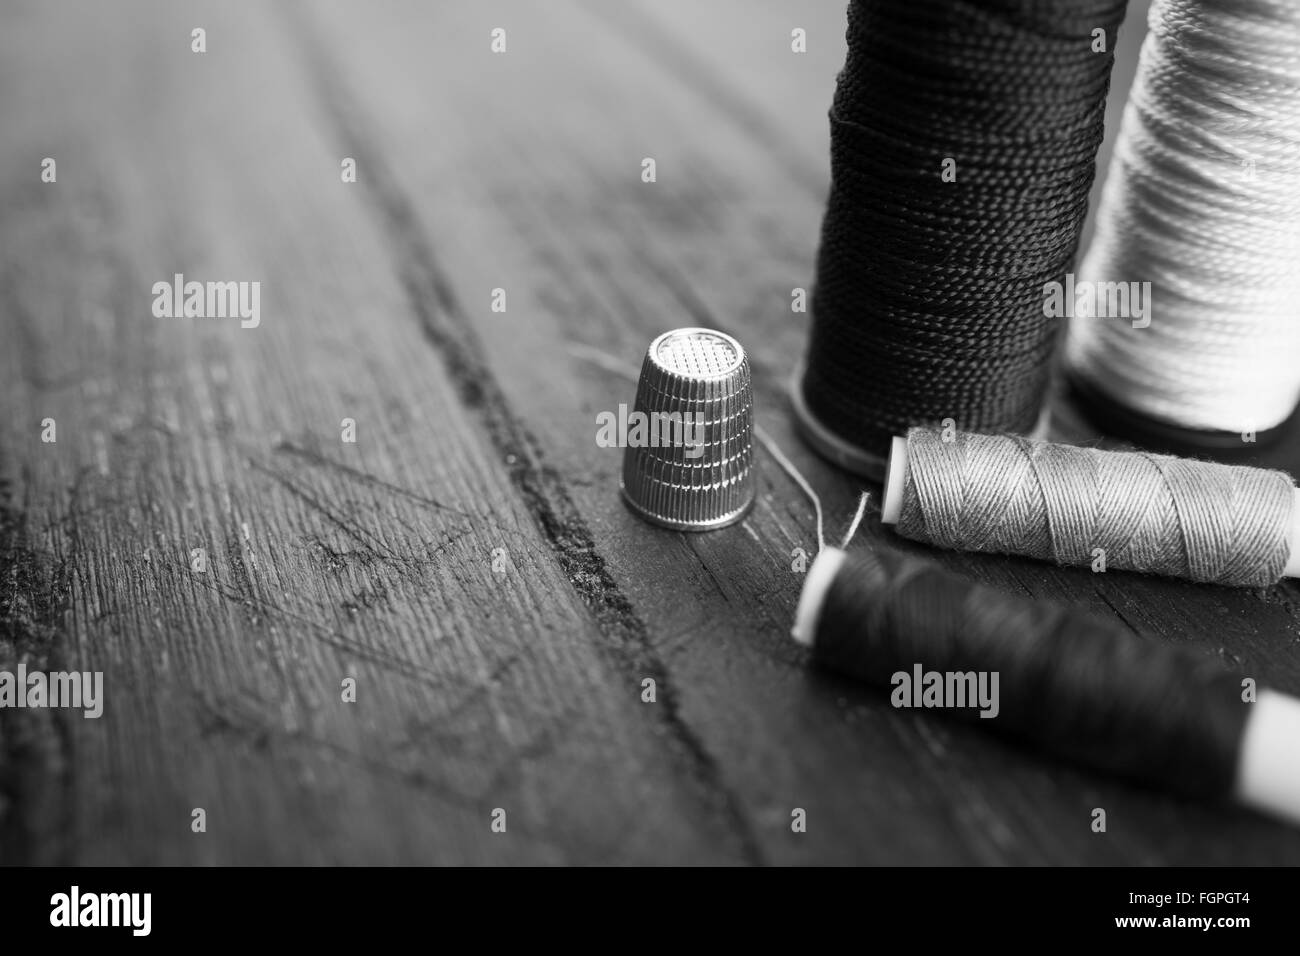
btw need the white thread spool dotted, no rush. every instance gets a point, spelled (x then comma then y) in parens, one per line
(1203, 201)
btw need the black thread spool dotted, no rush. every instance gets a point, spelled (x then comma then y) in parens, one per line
(1070, 685)
(928, 302)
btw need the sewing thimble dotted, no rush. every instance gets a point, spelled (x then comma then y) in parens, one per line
(689, 462)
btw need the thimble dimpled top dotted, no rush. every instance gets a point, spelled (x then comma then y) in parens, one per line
(696, 475)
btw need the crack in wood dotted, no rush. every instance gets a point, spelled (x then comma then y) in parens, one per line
(446, 326)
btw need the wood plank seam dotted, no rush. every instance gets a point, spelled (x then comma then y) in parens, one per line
(449, 331)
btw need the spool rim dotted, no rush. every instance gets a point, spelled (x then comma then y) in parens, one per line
(1118, 420)
(891, 497)
(849, 456)
(825, 442)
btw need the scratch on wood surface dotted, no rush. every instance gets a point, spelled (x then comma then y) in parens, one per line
(362, 536)
(248, 545)
(227, 716)
(36, 765)
(1101, 593)
(316, 458)
(708, 571)
(326, 633)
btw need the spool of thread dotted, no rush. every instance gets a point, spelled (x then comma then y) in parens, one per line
(1198, 520)
(1078, 688)
(963, 144)
(1202, 201)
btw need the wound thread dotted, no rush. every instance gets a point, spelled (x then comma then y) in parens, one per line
(1077, 687)
(1198, 520)
(1203, 202)
(928, 301)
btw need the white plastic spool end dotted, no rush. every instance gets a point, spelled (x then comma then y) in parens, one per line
(1268, 773)
(820, 575)
(1292, 569)
(891, 505)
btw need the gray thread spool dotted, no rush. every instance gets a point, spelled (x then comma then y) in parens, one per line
(1202, 521)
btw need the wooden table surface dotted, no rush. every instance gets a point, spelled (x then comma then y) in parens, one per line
(468, 560)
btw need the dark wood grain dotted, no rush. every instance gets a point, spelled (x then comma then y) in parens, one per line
(478, 689)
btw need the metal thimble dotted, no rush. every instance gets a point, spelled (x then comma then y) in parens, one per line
(689, 462)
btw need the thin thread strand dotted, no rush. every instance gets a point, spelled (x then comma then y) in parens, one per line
(857, 520)
(788, 467)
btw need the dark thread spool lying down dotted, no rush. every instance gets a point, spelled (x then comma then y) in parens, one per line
(1075, 686)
